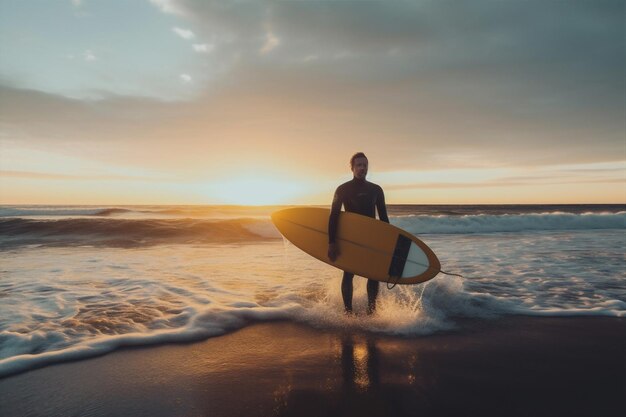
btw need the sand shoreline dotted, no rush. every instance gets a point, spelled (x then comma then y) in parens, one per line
(514, 365)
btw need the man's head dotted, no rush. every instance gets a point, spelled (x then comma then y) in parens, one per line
(358, 164)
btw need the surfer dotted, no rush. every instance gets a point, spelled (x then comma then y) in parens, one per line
(362, 197)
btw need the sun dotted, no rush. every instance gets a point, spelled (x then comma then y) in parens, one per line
(257, 190)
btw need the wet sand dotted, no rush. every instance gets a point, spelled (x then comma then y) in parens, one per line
(512, 366)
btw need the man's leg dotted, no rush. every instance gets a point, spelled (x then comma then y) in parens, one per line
(372, 294)
(346, 291)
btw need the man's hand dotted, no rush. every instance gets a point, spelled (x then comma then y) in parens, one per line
(333, 251)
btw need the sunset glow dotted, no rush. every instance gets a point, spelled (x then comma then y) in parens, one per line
(507, 108)
(255, 190)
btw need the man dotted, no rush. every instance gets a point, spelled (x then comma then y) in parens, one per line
(361, 197)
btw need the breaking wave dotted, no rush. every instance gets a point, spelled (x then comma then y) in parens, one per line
(484, 223)
(127, 233)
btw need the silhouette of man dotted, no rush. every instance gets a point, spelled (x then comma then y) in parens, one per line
(362, 197)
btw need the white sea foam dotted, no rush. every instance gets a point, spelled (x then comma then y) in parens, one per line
(483, 223)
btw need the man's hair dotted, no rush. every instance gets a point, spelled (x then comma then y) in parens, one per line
(355, 156)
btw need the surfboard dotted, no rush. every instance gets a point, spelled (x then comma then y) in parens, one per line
(367, 247)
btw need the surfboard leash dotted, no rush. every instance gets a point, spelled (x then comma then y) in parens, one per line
(451, 274)
(394, 284)
(440, 271)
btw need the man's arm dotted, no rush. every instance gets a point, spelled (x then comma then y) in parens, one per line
(333, 221)
(381, 207)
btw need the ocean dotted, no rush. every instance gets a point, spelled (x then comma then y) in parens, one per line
(82, 281)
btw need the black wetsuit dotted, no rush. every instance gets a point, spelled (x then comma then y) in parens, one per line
(361, 197)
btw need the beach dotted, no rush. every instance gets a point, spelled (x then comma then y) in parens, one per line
(516, 366)
(208, 311)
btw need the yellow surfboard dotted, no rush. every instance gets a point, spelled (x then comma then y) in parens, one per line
(367, 247)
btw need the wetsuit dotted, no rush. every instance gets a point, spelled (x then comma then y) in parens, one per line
(361, 197)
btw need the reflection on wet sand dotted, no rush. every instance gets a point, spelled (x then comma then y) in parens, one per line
(358, 392)
(360, 366)
(359, 363)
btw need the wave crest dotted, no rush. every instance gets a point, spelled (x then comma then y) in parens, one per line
(484, 223)
(128, 233)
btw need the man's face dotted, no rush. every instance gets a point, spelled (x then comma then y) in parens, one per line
(359, 168)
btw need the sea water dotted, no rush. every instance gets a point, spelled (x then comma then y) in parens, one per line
(80, 281)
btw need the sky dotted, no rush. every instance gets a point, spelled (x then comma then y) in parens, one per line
(264, 102)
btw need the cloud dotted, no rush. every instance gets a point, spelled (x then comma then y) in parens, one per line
(537, 53)
(271, 42)
(183, 33)
(320, 122)
(168, 6)
(77, 177)
(203, 47)
(466, 75)
(186, 78)
(502, 183)
(88, 55)
(417, 83)
(550, 175)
